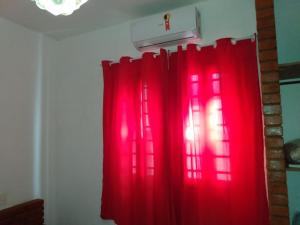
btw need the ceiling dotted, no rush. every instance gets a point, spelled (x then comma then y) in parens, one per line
(93, 15)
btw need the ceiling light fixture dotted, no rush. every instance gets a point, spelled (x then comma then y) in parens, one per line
(60, 7)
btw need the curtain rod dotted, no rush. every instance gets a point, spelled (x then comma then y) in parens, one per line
(214, 43)
(233, 41)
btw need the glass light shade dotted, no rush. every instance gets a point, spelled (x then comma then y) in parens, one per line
(60, 7)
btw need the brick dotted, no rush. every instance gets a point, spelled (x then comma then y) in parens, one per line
(273, 120)
(272, 109)
(280, 220)
(267, 55)
(278, 188)
(273, 153)
(279, 211)
(269, 66)
(273, 131)
(278, 199)
(266, 33)
(265, 23)
(269, 77)
(267, 44)
(266, 12)
(270, 88)
(274, 142)
(263, 4)
(276, 165)
(276, 176)
(271, 98)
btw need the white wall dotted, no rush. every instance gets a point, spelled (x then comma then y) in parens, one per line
(27, 65)
(287, 30)
(19, 72)
(288, 38)
(290, 95)
(76, 95)
(47, 128)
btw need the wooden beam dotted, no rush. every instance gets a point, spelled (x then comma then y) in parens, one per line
(289, 71)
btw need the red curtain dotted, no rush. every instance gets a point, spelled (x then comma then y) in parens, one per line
(183, 139)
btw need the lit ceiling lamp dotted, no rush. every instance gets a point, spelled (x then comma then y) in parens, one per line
(60, 7)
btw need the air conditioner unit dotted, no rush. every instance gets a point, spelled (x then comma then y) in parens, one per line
(168, 28)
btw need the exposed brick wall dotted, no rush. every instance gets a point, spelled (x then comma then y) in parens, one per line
(276, 172)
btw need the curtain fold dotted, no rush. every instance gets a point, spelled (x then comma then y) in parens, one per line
(183, 138)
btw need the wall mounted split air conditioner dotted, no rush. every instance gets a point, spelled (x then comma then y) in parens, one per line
(165, 29)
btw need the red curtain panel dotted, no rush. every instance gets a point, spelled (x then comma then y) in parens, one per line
(183, 138)
(135, 164)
